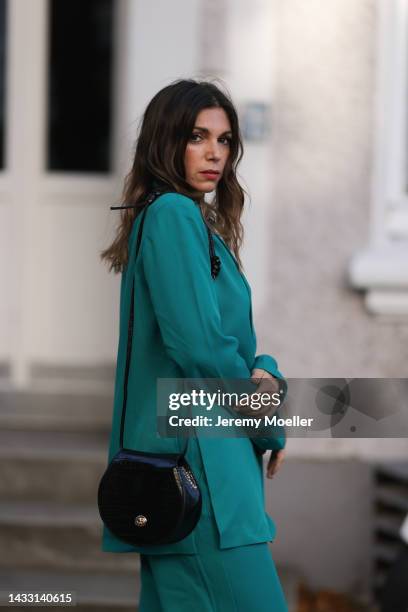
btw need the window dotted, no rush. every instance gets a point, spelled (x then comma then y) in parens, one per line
(3, 16)
(79, 118)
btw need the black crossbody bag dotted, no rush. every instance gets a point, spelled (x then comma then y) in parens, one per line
(149, 499)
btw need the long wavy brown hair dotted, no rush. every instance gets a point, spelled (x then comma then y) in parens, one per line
(166, 126)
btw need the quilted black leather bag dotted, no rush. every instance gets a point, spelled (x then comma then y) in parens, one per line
(149, 499)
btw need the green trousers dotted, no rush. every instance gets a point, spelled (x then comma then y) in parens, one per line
(240, 579)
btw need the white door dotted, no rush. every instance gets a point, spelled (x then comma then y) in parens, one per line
(57, 183)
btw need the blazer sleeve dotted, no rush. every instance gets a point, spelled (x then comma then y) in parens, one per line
(268, 363)
(277, 440)
(176, 263)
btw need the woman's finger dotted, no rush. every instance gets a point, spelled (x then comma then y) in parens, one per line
(275, 463)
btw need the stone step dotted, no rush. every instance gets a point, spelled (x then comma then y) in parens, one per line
(92, 591)
(396, 471)
(394, 496)
(53, 444)
(56, 536)
(55, 409)
(389, 525)
(385, 553)
(52, 466)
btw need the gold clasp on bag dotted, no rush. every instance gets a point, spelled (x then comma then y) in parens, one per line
(140, 521)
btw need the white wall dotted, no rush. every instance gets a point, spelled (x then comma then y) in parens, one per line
(322, 163)
(249, 75)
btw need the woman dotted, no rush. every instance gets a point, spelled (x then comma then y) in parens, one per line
(188, 324)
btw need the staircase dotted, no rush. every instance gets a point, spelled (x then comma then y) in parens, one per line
(53, 451)
(391, 508)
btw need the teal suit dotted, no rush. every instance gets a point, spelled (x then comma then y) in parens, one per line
(189, 325)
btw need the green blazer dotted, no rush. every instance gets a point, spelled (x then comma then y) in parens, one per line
(189, 325)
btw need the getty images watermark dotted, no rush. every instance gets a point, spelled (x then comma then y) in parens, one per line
(316, 407)
(211, 401)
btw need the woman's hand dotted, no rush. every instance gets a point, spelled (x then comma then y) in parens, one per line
(267, 385)
(258, 373)
(274, 463)
(276, 457)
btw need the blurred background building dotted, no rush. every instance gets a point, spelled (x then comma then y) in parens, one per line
(321, 91)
